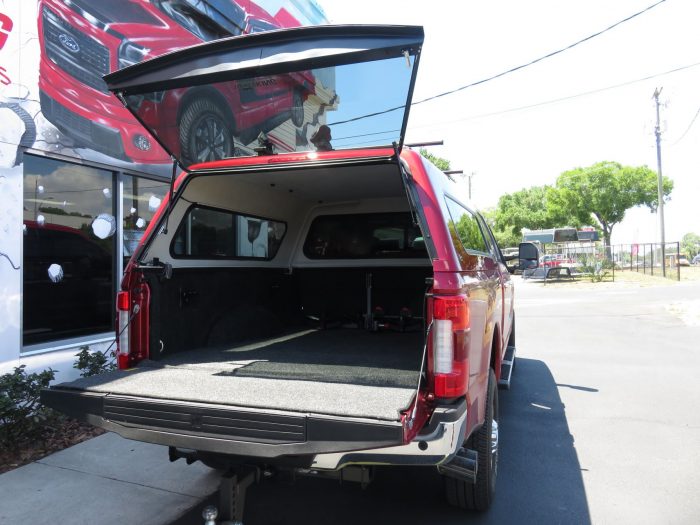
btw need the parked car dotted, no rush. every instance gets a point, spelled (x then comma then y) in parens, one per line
(319, 312)
(683, 261)
(555, 259)
(696, 260)
(81, 42)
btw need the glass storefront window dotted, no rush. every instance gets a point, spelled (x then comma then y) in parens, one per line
(69, 245)
(141, 199)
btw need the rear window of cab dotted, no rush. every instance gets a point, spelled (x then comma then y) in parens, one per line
(365, 236)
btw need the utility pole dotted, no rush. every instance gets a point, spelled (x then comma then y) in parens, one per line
(657, 131)
(470, 183)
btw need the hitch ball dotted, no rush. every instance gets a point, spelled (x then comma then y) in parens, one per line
(210, 513)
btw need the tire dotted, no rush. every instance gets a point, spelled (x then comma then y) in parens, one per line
(480, 495)
(297, 108)
(205, 132)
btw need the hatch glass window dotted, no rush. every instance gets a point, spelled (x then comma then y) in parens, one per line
(210, 233)
(349, 106)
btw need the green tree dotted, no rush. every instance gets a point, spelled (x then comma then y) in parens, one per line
(690, 244)
(526, 208)
(504, 237)
(604, 191)
(442, 164)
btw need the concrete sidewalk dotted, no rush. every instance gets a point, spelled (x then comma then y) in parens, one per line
(106, 480)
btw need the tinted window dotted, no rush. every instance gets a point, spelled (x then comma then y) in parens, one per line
(565, 235)
(364, 236)
(491, 239)
(212, 233)
(466, 226)
(69, 239)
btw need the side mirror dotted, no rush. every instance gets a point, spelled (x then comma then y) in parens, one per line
(528, 256)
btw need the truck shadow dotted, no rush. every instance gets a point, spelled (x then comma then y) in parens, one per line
(539, 479)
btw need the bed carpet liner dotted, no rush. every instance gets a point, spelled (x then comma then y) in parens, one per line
(345, 372)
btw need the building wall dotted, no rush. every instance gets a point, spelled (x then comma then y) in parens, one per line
(61, 134)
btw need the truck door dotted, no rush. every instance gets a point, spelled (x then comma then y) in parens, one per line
(507, 288)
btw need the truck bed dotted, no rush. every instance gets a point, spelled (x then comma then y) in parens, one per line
(335, 372)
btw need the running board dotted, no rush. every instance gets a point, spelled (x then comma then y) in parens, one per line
(507, 366)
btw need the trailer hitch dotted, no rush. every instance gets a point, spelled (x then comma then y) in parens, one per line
(232, 492)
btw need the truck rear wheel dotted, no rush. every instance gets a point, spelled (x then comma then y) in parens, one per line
(479, 495)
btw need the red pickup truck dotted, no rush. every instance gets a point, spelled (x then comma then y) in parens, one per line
(318, 311)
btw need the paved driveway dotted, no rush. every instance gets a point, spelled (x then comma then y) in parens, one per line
(601, 424)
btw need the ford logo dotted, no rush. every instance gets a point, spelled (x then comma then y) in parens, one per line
(69, 43)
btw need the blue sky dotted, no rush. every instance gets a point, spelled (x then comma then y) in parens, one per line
(509, 149)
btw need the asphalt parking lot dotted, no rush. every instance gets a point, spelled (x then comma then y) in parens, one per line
(601, 424)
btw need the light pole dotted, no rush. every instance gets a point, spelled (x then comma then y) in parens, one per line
(657, 132)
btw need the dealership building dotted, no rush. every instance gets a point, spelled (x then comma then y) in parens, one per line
(80, 178)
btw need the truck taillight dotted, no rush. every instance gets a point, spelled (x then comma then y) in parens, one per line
(123, 309)
(449, 345)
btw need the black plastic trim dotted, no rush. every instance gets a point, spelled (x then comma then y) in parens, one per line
(444, 412)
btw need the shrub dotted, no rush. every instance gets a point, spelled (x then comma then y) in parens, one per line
(92, 363)
(595, 268)
(22, 416)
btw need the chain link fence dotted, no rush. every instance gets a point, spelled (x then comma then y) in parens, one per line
(663, 260)
(602, 261)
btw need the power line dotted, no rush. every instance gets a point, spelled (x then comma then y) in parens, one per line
(688, 128)
(544, 57)
(563, 99)
(507, 72)
(544, 103)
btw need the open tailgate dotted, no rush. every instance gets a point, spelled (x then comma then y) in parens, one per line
(216, 426)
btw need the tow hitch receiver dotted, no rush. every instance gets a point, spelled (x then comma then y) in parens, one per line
(463, 466)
